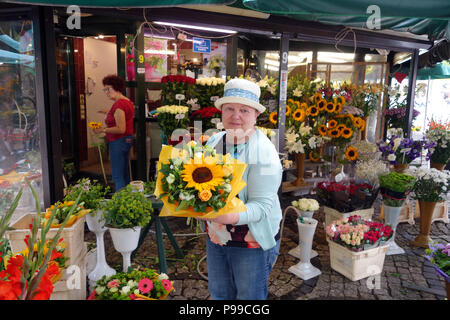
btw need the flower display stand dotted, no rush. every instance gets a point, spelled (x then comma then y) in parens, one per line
(440, 212)
(407, 213)
(304, 269)
(295, 252)
(357, 265)
(332, 214)
(125, 241)
(72, 285)
(96, 224)
(73, 236)
(391, 218)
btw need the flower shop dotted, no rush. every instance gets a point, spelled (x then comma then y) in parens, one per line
(360, 193)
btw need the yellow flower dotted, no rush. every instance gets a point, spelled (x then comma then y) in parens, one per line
(288, 110)
(346, 133)
(322, 104)
(312, 158)
(317, 97)
(338, 108)
(330, 107)
(299, 115)
(358, 122)
(351, 154)
(273, 117)
(334, 133)
(94, 125)
(205, 195)
(312, 111)
(323, 130)
(341, 100)
(202, 174)
(332, 123)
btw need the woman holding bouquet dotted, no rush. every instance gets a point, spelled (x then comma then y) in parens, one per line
(119, 130)
(242, 247)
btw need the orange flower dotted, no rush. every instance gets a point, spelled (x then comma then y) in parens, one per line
(323, 130)
(332, 123)
(338, 108)
(312, 111)
(330, 107)
(317, 97)
(346, 133)
(205, 195)
(351, 154)
(322, 104)
(311, 157)
(334, 133)
(288, 110)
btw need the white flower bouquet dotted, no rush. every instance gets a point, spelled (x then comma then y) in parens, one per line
(431, 184)
(306, 204)
(368, 171)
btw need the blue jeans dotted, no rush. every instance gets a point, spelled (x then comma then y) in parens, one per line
(239, 273)
(119, 155)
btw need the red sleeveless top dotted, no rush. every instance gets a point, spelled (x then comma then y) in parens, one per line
(128, 108)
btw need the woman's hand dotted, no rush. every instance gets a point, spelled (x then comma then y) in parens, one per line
(230, 218)
(99, 130)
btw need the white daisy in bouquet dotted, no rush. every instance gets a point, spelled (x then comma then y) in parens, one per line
(368, 171)
(431, 184)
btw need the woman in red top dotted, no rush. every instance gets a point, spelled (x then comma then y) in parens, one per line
(119, 130)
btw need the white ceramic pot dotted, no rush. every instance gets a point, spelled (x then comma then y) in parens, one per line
(125, 241)
(391, 215)
(304, 269)
(96, 224)
(295, 252)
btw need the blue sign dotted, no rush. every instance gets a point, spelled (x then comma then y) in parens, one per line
(201, 45)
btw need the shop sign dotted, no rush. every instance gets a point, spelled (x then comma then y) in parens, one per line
(201, 45)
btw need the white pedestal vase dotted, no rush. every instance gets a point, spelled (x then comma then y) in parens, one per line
(125, 241)
(96, 224)
(391, 215)
(304, 269)
(295, 252)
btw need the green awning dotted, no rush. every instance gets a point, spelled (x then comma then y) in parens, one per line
(122, 3)
(416, 16)
(440, 71)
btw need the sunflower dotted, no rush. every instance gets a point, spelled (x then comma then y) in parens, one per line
(332, 123)
(299, 115)
(291, 101)
(363, 124)
(317, 97)
(323, 130)
(304, 105)
(288, 110)
(273, 117)
(346, 133)
(330, 107)
(338, 108)
(202, 174)
(357, 122)
(312, 158)
(322, 104)
(312, 111)
(341, 127)
(351, 154)
(334, 133)
(341, 100)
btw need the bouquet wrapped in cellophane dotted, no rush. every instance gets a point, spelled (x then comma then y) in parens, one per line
(195, 181)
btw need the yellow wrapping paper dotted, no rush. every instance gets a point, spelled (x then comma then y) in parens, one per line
(233, 204)
(74, 218)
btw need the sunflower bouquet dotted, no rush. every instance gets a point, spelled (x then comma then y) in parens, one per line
(195, 181)
(61, 211)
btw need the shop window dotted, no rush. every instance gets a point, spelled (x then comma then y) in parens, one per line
(19, 126)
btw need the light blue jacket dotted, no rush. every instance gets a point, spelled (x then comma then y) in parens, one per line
(263, 176)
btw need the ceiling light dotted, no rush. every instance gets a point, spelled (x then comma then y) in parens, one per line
(101, 36)
(193, 27)
(151, 51)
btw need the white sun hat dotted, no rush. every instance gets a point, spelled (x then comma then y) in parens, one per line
(241, 91)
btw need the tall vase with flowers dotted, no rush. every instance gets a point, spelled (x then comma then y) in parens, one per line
(28, 275)
(439, 134)
(394, 188)
(431, 186)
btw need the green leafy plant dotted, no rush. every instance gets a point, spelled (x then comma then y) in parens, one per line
(394, 187)
(127, 209)
(92, 193)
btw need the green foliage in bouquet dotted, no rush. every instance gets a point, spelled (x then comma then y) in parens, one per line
(394, 187)
(92, 193)
(127, 209)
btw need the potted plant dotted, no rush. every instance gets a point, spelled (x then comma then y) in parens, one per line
(400, 152)
(93, 194)
(430, 187)
(439, 255)
(138, 284)
(394, 188)
(439, 134)
(125, 214)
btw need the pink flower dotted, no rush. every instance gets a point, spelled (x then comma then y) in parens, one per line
(132, 297)
(92, 295)
(145, 285)
(166, 284)
(113, 283)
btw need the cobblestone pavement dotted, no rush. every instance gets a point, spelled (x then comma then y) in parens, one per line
(404, 277)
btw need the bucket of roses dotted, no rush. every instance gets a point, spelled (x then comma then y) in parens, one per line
(195, 181)
(138, 284)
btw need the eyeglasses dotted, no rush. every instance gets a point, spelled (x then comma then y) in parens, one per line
(107, 89)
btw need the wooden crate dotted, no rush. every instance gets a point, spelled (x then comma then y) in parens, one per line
(332, 214)
(73, 236)
(357, 265)
(61, 290)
